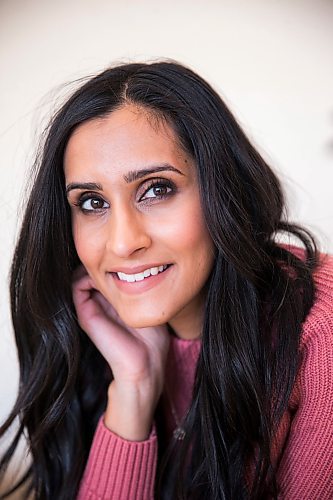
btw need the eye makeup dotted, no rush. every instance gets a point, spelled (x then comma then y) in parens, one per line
(152, 190)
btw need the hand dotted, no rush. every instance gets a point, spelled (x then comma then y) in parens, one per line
(136, 357)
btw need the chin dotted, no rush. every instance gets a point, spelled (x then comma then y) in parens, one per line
(141, 320)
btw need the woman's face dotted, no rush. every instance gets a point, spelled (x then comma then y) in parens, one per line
(137, 221)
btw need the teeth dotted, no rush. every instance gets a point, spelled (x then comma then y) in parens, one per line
(131, 278)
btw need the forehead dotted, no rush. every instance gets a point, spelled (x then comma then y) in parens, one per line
(127, 138)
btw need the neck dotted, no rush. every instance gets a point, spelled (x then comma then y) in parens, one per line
(188, 325)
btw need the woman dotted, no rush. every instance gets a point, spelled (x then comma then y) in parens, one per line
(168, 345)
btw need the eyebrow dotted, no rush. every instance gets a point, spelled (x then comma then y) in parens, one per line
(131, 176)
(83, 185)
(134, 175)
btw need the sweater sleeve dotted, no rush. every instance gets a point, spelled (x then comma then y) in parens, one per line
(119, 469)
(306, 467)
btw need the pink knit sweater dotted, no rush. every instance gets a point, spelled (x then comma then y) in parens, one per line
(125, 470)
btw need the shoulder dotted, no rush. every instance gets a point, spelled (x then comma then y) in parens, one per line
(318, 324)
(313, 390)
(305, 467)
(319, 321)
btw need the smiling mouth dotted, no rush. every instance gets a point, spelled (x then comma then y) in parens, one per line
(145, 275)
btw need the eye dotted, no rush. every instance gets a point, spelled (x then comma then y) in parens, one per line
(92, 203)
(158, 189)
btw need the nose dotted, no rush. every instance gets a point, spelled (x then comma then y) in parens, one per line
(127, 232)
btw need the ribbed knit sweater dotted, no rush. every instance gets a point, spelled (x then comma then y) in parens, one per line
(118, 469)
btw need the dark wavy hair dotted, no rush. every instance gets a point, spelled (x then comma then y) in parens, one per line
(259, 293)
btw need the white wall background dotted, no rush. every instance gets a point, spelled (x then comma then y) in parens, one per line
(272, 60)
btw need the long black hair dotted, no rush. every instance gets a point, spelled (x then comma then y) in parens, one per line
(259, 293)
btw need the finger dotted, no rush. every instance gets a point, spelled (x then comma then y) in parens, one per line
(79, 272)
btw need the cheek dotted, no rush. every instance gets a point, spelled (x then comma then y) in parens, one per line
(186, 234)
(189, 232)
(182, 225)
(197, 249)
(88, 244)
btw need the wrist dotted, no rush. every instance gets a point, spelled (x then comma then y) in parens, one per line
(129, 413)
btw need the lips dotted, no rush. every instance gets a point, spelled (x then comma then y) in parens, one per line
(131, 278)
(135, 269)
(134, 286)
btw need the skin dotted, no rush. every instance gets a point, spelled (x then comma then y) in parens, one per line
(126, 224)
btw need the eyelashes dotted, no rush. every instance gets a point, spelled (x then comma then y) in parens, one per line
(161, 188)
(157, 189)
(91, 202)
